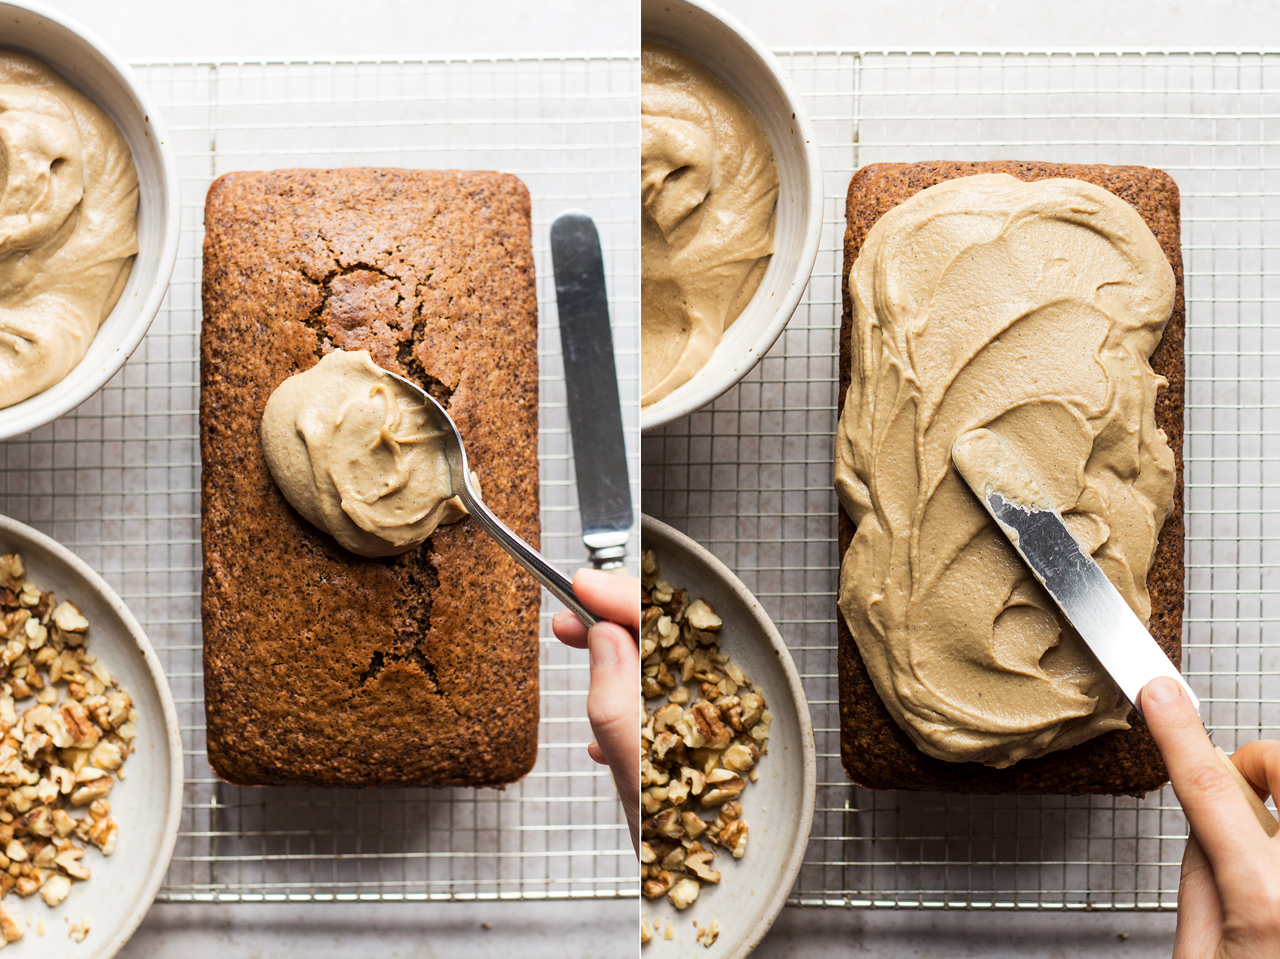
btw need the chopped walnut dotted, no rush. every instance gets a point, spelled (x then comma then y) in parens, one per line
(698, 862)
(703, 739)
(684, 893)
(657, 883)
(78, 930)
(67, 617)
(10, 928)
(55, 889)
(708, 936)
(66, 731)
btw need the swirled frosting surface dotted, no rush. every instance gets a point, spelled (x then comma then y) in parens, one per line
(354, 452)
(708, 189)
(1031, 309)
(68, 225)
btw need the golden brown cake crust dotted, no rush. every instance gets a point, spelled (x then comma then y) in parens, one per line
(875, 752)
(322, 667)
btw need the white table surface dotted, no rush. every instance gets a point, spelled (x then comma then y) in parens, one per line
(186, 29)
(159, 29)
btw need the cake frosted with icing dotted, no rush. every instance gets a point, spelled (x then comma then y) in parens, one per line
(1029, 298)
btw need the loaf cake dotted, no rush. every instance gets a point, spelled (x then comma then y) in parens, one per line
(875, 750)
(322, 667)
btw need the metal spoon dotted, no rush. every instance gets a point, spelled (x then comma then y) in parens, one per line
(460, 479)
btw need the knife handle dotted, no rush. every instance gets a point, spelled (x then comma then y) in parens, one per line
(611, 559)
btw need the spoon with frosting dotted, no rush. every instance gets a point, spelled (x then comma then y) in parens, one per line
(374, 460)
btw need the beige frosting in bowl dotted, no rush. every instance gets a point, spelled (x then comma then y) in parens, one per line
(709, 193)
(68, 225)
(1031, 309)
(353, 452)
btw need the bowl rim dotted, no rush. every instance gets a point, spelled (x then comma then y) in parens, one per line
(665, 535)
(173, 814)
(661, 415)
(94, 380)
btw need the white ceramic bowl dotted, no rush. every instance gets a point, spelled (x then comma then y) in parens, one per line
(778, 807)
(81, 59)
(745, 66)
(147, 804)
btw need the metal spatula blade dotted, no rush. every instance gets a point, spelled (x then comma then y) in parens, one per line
(1016, 501)
(591, 391)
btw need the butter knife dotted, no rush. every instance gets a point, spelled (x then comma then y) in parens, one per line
(1026, 515)
(591, 388)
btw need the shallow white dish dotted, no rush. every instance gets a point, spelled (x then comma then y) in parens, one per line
(778, 807)
(147, 805)
(83, 61)
(727, 48)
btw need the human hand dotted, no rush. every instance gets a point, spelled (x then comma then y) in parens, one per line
(613, 698)
(1229, 890)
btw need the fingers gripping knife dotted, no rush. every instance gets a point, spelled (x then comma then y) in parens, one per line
(1026, 515)
(591, 387)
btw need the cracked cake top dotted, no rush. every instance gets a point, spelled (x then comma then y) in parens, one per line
(322, 667)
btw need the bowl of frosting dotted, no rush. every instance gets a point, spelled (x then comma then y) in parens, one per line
(731, 205)
(89, 216)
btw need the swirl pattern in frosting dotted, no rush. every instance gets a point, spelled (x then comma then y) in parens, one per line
(68, 225)
(354, 452)
(708, 191)
(1031, 309)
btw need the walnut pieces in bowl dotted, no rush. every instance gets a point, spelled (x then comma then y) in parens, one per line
(66, 730)
(768, 819)
(101, 650)
(702, 738)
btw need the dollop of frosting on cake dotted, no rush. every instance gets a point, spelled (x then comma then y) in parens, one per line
(354, 452)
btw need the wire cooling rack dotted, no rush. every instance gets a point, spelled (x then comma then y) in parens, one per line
(750, 476)
(117, 480)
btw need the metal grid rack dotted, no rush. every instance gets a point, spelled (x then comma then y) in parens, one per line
(750, 476)
(117, 480)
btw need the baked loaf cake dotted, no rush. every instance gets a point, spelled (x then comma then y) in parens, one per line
(875, 751)
(322, 667)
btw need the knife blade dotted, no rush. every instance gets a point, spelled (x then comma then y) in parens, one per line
(591, 387)
(1026, 515)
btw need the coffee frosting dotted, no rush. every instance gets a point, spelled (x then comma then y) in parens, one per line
(354, 452)
(1032, 309)
(68, 225)
(709, 191)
